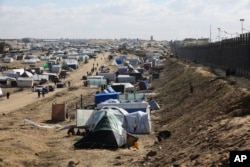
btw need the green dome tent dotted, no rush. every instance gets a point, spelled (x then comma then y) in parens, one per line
(106, 131)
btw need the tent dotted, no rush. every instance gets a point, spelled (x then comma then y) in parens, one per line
(138, 122)
(128, 105)
(101, 97)
(105, 132)
(119, 113)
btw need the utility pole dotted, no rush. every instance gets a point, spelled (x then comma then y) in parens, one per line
(242, 20)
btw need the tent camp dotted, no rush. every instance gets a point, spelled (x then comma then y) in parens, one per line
(105, 132)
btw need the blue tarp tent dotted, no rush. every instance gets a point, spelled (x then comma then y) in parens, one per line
(101, 97)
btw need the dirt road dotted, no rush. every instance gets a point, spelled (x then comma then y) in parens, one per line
(27, 96)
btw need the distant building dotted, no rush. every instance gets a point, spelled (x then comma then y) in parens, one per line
(151, 38)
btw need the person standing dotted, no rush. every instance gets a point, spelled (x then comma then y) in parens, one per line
(8, 95)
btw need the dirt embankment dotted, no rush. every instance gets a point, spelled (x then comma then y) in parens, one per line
(205, 123)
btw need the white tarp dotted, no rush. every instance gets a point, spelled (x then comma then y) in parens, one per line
(138, 122)
(125, 104)
(82, 116)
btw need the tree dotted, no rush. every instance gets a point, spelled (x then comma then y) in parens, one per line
(2, 46)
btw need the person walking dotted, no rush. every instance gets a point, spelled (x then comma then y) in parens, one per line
(43, 91)
(8, 95)
(38, 93)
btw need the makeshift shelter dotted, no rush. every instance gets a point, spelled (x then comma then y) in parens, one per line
(101, 97)
(126, 79)
(56, 68)
(59, 112)
(72, 63)
(128, 87)
(96, 81)
(128, 105)
(25, 82)
(120, 59)
(6, 81)
(138, 122)
(8, 59)
(82, 117)
(105, 132)
(119, 88)
(123, 70)
(133, 60)
(109, 76)
(132, 96)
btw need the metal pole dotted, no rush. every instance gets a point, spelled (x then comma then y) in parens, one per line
(81, 102)
(242, 25)
(219, 33)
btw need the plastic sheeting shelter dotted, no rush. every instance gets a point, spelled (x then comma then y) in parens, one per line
(120, 59)
(129, 106)
(138, 122)
(132, 96)
(111, 77)
(82, 117)
(96, 81)
(128, 87)
(101, 97)
(126, 79)
(106, 131)
(25, 82)
(123, 70)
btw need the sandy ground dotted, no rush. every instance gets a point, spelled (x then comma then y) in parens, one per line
(25, 145)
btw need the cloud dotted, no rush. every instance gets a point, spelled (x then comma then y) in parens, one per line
(172, 19)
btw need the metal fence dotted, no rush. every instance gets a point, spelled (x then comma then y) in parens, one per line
(230, 54)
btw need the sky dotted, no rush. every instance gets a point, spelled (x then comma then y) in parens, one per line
(115, 19)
